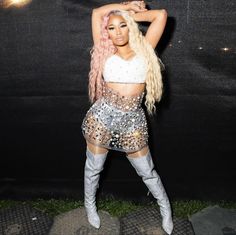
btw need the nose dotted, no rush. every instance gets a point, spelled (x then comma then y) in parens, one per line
(118, 31)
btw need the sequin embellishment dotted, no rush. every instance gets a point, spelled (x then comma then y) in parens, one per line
(116, 122)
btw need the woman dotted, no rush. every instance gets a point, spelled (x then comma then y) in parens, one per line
(124, 68)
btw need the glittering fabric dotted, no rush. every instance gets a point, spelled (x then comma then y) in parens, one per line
(116, 122)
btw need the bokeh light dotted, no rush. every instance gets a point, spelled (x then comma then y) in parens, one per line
(15, 3)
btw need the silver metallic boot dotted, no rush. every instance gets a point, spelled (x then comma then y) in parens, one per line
(145, 168)
(93, 166)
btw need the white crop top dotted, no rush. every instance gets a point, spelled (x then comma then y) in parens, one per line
(120, 70)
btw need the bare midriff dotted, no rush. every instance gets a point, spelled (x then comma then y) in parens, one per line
(127, 89)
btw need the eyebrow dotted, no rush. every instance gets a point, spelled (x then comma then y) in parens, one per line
(120, 23)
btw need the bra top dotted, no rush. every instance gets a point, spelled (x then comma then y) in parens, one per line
(120, 70)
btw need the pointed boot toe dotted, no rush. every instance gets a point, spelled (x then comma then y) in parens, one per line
(94, 220)
(167, 226)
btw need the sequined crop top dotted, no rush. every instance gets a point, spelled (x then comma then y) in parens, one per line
(120, 70)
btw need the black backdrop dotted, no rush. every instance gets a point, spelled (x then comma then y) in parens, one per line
(44, 59)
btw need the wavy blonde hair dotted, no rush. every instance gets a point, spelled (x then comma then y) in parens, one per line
(140, 46)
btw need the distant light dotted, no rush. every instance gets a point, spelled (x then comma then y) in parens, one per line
(179, 41)
(16, 3)
(170, 44)
(225, 49)
(200, 48)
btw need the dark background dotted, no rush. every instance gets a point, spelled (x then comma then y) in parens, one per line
(44, 65)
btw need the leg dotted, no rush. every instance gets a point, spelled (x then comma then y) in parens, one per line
(144, 167)
(95, 160)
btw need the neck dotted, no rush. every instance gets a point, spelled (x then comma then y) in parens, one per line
(124, 50)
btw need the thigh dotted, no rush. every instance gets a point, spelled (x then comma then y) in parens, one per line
(139, 153)
(96, 149)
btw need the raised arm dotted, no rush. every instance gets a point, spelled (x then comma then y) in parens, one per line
(158, 20)
(98, 13)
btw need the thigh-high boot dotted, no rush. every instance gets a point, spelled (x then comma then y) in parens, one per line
(145, 168)
(93, 166)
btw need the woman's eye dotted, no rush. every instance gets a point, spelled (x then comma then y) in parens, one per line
(110, 28)
(123, 25)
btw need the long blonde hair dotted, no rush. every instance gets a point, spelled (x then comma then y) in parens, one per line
(140, 46)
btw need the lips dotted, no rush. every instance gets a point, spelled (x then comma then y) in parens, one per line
(119, 39)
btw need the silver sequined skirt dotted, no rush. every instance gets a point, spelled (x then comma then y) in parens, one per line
(116, 122)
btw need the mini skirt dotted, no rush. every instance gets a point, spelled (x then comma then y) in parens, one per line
(116, 122)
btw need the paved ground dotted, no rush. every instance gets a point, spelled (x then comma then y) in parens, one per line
(214, 221)
(25, 220)
(75, 222)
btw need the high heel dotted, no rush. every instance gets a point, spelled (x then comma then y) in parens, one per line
(145, 168)
(93, 166)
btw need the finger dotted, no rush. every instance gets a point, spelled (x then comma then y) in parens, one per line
(142, 10)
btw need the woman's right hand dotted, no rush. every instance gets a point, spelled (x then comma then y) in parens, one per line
(141, 4)
(136, 6)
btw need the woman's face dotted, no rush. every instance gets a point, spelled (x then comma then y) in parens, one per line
(118, 30)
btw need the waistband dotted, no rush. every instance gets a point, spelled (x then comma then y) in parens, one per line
(124, 103)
